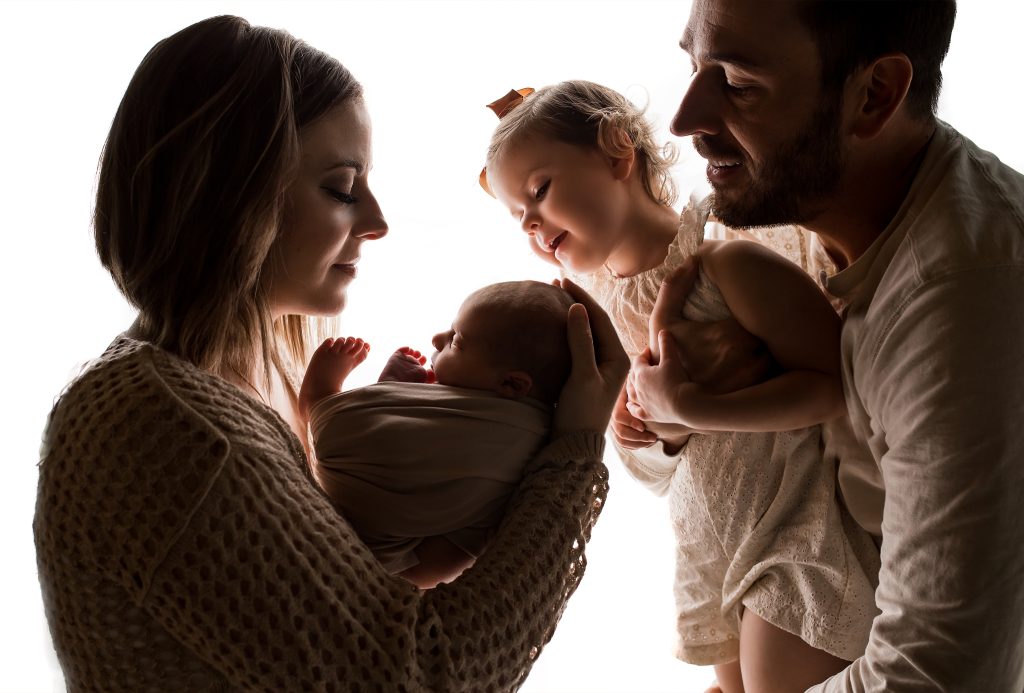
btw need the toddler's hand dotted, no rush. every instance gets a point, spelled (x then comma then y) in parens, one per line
(406, 365)
(629, 431)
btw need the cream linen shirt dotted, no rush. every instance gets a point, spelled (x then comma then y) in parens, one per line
(933, 370)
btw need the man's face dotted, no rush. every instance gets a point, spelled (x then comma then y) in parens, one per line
(758, 114)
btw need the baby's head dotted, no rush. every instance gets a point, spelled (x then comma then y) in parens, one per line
(508, 338)
(555, 160)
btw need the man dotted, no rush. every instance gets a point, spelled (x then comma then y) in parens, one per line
(821, 113)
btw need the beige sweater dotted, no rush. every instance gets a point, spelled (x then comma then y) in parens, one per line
(182, 545)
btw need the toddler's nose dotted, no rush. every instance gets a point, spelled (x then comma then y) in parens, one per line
(531, 222)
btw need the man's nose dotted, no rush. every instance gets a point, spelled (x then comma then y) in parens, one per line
(700, 110)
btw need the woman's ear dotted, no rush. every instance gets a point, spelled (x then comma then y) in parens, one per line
(880, 89)
(515, 385)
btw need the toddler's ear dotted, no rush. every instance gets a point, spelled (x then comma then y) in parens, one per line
(623, 157)
(515, 385)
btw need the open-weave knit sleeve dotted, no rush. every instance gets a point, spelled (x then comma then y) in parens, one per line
(215, 563)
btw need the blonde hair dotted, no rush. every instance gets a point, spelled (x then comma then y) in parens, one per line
(590, 115)
(192, 184)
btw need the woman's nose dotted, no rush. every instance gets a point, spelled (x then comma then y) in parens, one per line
(371, 224)
(699, 111)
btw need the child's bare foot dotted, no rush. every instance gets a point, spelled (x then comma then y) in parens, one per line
(330, 365)
(406, 366)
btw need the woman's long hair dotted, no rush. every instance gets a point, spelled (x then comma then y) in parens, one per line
(192, 186)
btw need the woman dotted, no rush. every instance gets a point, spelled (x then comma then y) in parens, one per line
(181, 541)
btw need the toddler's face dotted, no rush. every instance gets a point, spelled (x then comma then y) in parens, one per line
(464, 356)
(568, 199)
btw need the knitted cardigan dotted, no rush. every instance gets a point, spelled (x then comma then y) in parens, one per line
(183, 545)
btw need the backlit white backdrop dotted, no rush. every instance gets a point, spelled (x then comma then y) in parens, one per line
(428, 68)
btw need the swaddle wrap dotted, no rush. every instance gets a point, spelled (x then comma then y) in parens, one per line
(405, 461)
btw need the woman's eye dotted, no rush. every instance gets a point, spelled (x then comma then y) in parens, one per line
(340, 196)
(542, 190)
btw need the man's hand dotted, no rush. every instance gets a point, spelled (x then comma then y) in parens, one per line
(655, 388)
(720, 356)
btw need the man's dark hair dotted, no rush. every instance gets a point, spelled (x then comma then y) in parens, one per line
(852, 33)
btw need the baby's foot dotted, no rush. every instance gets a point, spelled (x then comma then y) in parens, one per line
(330, 365)
(406, 366)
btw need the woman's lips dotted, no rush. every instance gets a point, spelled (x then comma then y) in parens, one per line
(349, 269)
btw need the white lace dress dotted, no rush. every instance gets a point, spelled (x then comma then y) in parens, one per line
(756, 515)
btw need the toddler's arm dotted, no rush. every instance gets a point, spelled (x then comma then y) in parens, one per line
(778, 303)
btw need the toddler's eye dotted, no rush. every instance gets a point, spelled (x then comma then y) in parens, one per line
(542, 190)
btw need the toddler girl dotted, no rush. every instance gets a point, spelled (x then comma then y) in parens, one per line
(755, 512)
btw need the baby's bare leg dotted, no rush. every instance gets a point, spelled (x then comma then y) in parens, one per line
(774, 660)
(330, 365)
(440, 561)
(406, 365)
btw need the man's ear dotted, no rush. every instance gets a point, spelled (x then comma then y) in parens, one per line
(515, 385)
(879, 90)
(624, 157)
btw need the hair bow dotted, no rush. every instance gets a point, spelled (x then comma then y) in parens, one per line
(501, 107)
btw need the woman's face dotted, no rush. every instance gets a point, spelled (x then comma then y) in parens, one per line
(329, 212)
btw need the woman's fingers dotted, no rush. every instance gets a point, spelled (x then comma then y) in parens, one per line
(581, 340)
(609, 355)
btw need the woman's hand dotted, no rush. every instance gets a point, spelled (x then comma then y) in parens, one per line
(599, 367)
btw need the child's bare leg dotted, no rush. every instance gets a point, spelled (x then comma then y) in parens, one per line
(330, 365)
(774, 660)
(406, 365)
(728, 678)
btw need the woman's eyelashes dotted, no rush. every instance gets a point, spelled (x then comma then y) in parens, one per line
(343, 197)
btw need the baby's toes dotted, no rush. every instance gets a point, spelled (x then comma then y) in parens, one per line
(324, 348)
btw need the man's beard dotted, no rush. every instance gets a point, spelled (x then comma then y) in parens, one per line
(789, 186)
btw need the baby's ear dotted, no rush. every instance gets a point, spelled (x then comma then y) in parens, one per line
(515, 385)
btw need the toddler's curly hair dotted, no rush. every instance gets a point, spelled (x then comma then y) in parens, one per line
(591, 115)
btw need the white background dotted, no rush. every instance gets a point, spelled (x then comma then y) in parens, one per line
(428, 68)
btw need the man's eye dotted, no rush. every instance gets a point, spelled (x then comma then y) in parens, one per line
(340, 196)
(542, 190)
(739, 90)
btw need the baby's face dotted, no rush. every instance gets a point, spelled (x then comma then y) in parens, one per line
(464, 356)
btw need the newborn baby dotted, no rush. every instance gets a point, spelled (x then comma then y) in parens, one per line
(423, 462)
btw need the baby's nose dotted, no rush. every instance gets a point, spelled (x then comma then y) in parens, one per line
(438, 340)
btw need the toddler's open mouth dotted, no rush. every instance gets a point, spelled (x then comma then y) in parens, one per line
(553, 244)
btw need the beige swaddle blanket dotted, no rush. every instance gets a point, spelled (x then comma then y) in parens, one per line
(405, 461)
